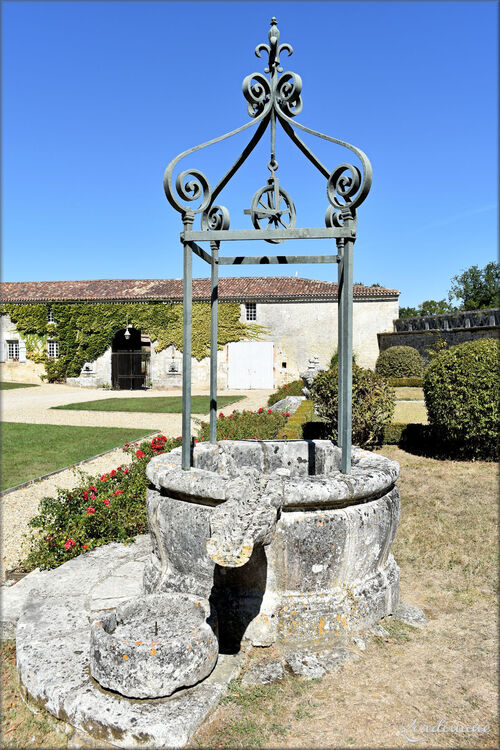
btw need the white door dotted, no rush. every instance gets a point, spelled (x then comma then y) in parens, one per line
(250, 365)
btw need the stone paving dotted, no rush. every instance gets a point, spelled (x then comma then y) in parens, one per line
(53, 611)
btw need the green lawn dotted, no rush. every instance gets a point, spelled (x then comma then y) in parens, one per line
(32, 450)
(153, 405)
(4, 386)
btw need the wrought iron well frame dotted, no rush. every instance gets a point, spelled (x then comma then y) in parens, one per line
(269, 101)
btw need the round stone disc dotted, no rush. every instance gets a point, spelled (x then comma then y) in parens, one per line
(153, 645)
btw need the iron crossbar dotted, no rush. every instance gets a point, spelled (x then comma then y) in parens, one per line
(246, 260)
(239, 260)
(298, 233)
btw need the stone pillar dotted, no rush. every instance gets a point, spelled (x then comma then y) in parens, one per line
(3, 347)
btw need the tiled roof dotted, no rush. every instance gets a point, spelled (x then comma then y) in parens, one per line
(242, 288)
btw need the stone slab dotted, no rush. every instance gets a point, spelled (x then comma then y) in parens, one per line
(81, 576)
(54, 611)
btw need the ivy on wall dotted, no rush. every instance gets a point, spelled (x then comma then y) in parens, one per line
(85, 331)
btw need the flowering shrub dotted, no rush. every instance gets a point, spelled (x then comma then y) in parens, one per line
(112, 507)
(260, 425)
(101, 509)
(289, 389)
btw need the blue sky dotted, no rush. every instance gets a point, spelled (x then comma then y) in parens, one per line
(98, 97)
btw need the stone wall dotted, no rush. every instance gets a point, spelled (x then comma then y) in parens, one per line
(422, 340)
(300, 330)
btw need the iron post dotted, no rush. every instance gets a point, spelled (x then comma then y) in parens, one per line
(214, 301)
(187, 322)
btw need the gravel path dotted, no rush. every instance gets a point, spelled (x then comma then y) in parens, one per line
(32, 405)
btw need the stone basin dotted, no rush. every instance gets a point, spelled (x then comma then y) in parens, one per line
(153, 645)
(287, 548)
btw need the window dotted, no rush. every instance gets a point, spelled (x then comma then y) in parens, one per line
(251, 310)
(51, 318)
(53, 349)
(13, 350)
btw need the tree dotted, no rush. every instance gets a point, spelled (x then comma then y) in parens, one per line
(429, 307)
(478, 288)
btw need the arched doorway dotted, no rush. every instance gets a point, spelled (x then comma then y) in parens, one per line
(126, 360)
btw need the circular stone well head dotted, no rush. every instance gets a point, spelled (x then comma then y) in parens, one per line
(153, 645)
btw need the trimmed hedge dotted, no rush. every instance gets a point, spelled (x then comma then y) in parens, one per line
(373, 402)
(289, 389)
(462, 389)
(400, 362)
(406, 382)
(293, 430)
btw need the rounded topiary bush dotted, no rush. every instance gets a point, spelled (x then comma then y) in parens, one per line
(462, 388)
(400, 362)
(373, 402)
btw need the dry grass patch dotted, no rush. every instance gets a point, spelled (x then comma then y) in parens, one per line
(410, 411)
(409, 393)
(446, 547)
(20, 727)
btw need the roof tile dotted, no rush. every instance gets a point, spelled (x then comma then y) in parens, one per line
(236, 288)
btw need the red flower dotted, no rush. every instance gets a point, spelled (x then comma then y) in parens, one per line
(112, 473)
(269, 411)
(84, 546)
(118, 492)
(126, 445)
(104, 477)
(90, 511)
(92, 496)
(126, 471)
(69, 543)
(179, 438)
(94, 489)
(260, 410)
(85, 495)
(140, 454)
(105, 501)
(287, 414)
(255, 437)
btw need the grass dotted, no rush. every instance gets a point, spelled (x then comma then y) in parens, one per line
(408, 412)
(32, 450)
(409, 394)
(153, 405)
(5, 386)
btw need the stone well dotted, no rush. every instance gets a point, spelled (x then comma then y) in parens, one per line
(287, 549)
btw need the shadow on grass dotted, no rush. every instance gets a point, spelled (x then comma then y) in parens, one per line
(418, 439)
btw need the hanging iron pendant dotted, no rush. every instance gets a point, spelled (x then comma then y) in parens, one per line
(272, 204)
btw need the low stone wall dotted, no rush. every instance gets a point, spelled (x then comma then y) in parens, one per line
(422, 340)
(22, 372)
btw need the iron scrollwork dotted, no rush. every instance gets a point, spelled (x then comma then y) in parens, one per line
(271, 100)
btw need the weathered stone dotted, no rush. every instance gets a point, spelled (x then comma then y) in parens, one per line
(410, 614)
(248, 517)
(288, 404)
(153, 645)
(299, 551)
(305, 665)
(82, 576)
(53, 662)
(263, 673)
